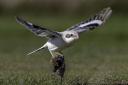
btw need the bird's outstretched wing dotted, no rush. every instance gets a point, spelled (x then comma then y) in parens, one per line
(93, 22)
(39, 31)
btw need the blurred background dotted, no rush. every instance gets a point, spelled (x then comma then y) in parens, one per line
(101, 55)
(80, 7)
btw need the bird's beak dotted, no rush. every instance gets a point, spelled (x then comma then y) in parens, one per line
(76, 36)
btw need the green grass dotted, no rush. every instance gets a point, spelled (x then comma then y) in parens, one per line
(99, 57)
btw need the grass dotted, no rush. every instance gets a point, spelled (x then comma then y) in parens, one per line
(99, 57)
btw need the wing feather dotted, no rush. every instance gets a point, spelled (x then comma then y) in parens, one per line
(93, 22)
(37, 30)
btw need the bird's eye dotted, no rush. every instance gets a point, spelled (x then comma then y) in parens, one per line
(69, 35)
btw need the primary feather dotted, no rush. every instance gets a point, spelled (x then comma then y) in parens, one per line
(38, 30)
(93, 22)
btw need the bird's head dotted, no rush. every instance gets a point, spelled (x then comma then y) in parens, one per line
(70, 36)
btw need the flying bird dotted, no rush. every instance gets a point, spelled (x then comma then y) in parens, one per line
(57, 41)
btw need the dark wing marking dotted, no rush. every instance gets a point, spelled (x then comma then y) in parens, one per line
(39, 31)
(93, 22)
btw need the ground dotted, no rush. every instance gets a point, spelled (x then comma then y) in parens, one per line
(99, 57)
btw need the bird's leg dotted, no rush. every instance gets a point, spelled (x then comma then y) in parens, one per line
(59, 64)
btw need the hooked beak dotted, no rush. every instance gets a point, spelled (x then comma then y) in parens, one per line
(76, 36)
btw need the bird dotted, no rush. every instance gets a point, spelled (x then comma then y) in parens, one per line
(58, 41)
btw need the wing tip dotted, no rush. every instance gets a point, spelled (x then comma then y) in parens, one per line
(19, 19)
(109, 8)
(107, 13)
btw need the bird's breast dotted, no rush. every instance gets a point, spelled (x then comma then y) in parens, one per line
(56, 44)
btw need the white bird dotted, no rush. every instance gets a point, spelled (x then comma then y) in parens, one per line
(57, 41)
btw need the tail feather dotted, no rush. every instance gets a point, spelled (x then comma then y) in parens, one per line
(37, 50)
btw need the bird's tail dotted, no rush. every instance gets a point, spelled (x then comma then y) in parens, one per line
(44, 46)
